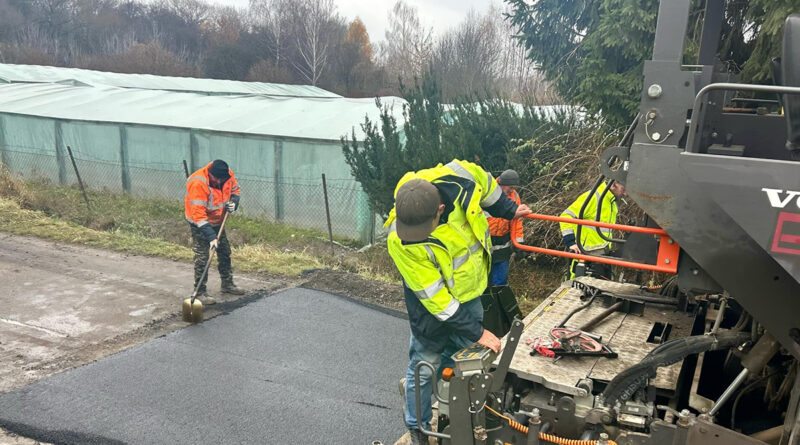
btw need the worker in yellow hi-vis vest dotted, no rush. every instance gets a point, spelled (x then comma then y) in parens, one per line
(440, 242)
(592, 242)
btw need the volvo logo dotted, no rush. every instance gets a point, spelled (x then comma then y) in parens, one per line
(780, 199)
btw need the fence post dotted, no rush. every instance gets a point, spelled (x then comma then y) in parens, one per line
(78, 175)
(185, 169)
(3, 153)
(123, 158)
(372, 224)
(62, 168)
(278, 173)
(194, 150)
(327, 209)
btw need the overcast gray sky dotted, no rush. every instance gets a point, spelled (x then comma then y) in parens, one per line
(438, 14)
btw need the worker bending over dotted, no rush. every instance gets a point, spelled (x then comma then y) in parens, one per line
(439, 240)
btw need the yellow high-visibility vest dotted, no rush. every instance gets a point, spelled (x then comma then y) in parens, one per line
(608, 214)
(451, 266)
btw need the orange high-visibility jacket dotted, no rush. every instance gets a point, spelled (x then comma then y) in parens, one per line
(501, 231)
(204, 204)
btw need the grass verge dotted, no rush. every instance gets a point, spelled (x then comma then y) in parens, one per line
(248, 258)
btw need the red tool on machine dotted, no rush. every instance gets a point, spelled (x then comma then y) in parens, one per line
(570, 342)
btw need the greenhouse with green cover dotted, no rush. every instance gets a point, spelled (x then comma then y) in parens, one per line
(134, 133)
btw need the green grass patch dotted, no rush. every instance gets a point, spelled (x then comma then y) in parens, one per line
(19, 221)
(14, 219)
(153, 218)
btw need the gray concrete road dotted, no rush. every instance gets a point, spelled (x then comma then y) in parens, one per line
(63, 305)
(300, 366)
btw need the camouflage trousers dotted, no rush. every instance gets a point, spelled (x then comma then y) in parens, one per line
(200, 249)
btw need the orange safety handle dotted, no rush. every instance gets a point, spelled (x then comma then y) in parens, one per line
(668, 249)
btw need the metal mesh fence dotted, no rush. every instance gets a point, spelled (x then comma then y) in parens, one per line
(297, 202)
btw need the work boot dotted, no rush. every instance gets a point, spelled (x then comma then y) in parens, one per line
(206, 299)
(418, 437)
(229, 288)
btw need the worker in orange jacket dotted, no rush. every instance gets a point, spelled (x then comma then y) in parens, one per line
(210, 192)
(502, 231)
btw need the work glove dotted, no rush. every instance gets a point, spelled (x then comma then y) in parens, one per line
(213, 244)
(231, 206)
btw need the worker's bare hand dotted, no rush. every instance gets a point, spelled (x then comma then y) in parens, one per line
(574, 248)
(522, 210)
(490, 341)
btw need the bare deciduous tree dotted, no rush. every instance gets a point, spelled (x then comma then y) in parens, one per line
(466, 59)
(276, 17)
(481, 55)
(314, 20)
(518, 76)
(407, 49)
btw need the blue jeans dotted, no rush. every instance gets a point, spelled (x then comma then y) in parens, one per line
(416, 353)
(499, 274)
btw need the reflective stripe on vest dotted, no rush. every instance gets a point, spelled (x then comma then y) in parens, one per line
(502, 246)
(431, 290)
(200, 224)
(489, 200)
(494, 196)
(449, 311)
(450, 282)
(462, 259)
(204, 203)
(197, 178)
(459, 170)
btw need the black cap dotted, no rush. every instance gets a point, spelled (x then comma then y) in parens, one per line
(416, 204)
(508, 177)
(219, 169)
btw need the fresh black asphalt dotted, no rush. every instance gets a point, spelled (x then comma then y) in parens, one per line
(300, 366)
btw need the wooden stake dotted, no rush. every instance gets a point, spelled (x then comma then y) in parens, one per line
(78, 175)
(327, 209)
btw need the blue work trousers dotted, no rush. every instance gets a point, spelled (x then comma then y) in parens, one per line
(499, 274)
(418, 352)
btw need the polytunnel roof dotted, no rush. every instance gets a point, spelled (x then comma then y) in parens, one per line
(74, 76)
(327, 118)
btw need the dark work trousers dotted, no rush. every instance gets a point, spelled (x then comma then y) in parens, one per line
(200, 248)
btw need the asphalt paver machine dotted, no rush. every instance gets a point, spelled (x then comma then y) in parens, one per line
(711, 357)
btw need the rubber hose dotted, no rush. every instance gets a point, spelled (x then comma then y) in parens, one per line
(627, 382)
(544, 436)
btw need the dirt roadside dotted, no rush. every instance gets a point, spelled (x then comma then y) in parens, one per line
(63, 306)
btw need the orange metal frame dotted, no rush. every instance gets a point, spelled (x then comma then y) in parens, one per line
(668, 249)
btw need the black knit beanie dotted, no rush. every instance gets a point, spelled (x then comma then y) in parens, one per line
(219, 169)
